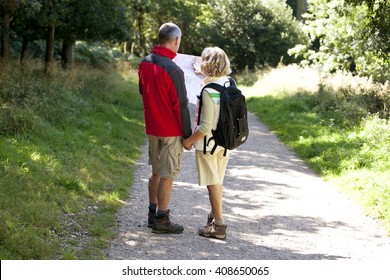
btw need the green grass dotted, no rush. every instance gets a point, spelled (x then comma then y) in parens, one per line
(68, 143)
(336, 132)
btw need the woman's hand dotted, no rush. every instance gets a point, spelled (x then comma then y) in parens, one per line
(197, 70)
(187, 144)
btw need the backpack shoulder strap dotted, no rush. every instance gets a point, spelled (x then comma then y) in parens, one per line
(215, 86)
(232, 82)
(200, 106)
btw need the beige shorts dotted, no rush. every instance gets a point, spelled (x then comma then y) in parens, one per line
(211, 168)
(165, 156)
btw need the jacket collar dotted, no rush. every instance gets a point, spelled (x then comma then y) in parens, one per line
(162, 51)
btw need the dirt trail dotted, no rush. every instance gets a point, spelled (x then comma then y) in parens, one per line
(275, 208)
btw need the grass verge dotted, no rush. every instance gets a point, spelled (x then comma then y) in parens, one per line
(342, 132)
(68, 143)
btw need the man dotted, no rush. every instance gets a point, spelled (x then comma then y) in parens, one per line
(167, 121)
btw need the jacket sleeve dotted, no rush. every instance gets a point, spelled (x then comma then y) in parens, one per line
(183, 101)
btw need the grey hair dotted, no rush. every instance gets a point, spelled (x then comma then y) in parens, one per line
(215, 62)
(167, 32)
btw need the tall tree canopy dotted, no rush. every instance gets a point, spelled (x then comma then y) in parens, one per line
(337, 34)
(65, 21)
(378, 21)
(342, 38)
(254, 33)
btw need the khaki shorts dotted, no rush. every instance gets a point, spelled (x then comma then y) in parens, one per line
(165, 156)
(211, 168)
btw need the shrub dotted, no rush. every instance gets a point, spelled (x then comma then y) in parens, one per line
(341, 39)
(253, 33)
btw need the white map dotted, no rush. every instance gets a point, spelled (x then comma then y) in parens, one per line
(193, 81)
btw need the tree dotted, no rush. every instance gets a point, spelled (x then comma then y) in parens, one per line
(141, 11)
(148, 17)
(185, 13)
(379, 22)
(301, 8)
(7, 7)
(66, 21)
(92, 21)
(51, 20)
(27, 24)
(253, 33)
(341, 40)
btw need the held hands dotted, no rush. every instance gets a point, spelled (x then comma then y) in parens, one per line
(187, 144)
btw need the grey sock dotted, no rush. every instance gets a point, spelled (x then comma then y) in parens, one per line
(161, 213)
(219, 221)
(152, 207)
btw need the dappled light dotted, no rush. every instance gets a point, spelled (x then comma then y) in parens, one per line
(274, 208)
(316, 73)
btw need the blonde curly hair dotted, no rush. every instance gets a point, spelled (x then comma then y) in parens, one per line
(215, 62)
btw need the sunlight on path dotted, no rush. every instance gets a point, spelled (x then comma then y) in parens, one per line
(274, 205)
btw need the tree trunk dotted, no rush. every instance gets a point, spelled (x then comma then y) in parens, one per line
(67, 54)
(301, 8)
(142, 40)
(5, 40)
(49, 60)
(24, 49)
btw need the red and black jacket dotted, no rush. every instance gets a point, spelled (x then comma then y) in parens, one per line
(161, 84)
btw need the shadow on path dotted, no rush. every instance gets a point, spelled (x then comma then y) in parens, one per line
(275, 207)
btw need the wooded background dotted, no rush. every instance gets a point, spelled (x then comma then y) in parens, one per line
(337, 34)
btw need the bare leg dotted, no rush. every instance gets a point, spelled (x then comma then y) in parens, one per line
(215, 196)
(216, 229)
(162, 223)
(164, 193)
(154, 181)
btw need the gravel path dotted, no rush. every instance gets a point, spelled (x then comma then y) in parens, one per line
(275, 207)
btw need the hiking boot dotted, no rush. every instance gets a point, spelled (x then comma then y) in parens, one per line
(210, 218)
(151, 217)
(214, 231)
(164, 225)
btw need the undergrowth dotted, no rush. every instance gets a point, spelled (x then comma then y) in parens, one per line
(68, 143)
(341, 129)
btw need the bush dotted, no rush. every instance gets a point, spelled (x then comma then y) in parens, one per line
(356, 97)
(253, 33)
(341, 40)
(95, 54)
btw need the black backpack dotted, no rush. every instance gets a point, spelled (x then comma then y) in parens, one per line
(232, 128)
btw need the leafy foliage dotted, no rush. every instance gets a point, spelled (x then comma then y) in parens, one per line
(379, 22)
(343, 34)
(262, 40)
(340, 40)
(94, 20)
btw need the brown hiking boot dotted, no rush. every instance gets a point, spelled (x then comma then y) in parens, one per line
(214, 231)
(164, 225)
(210, 218)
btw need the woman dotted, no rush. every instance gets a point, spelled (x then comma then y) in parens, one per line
(215, 66)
